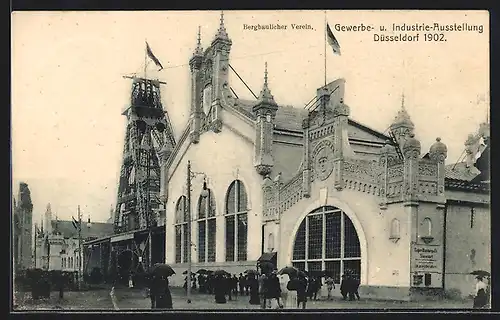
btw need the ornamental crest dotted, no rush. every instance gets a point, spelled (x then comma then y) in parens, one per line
(322, 158)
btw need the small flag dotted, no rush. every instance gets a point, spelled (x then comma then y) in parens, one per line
(152, 56)
(332, 41)
(75, 223)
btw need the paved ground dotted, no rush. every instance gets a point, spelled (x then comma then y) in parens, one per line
(133, 299)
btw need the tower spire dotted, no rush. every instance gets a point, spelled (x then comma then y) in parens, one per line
(265, 93)
(221, 32)
(199, 49)
(403, 100)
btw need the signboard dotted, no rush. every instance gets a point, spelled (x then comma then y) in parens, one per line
(426, 258)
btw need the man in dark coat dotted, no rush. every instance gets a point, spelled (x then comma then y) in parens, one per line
(241, 283)
(344, 287)
(163, 296)
(301, 292)
(220, 289)
(253, 286)
(274, 289)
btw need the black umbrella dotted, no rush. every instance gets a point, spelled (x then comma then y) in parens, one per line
(162, 269)
(291, 271)
(480, 273)
(202, 271)
(220, 272)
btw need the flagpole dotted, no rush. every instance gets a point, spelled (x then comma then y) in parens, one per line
(145, 58)
(325, 48)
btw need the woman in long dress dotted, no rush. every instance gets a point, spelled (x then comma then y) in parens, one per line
(480, 298)
(292, 286)
(284, 278)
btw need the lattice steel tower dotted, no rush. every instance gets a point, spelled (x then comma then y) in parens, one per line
(148, 134)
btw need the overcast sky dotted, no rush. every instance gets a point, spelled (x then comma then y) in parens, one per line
(68, 92)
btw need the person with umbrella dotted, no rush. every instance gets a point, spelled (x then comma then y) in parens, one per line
(220, 286)
(241, 283)
(253, 286)
(274, 290)
(344, 286)
(160, 286)
(301, 291)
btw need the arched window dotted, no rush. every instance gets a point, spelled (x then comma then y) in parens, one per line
(207, 99)
(181, 237)
(236, 222)
(206, 228)
(327, 240)
(395, 228)
(427, 227)
(270, 242)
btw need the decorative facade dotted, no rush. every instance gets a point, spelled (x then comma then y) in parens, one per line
(320, 190)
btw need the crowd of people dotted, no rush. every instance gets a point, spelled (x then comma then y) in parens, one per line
(270, 290)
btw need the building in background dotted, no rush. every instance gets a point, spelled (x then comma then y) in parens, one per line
(57, 241)
(318, 190)
(22, 229)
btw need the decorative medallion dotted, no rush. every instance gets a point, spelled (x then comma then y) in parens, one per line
(323, 159)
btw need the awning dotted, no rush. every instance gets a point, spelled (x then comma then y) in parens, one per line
(268, 256)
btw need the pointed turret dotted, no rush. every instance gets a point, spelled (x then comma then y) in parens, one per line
(265, 110)
(48, 219)
(198, 51)
(402, 126)
(221, 32)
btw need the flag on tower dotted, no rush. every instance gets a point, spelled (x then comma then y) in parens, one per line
(152, 56)
(332, 41)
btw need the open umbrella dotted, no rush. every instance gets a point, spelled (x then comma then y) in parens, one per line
(251, 271)
(220, 272)
(162, 270)
(291, 271)
(480, 273)
(202, 271)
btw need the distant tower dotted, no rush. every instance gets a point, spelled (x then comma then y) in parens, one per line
(148, 132)
(23, 214)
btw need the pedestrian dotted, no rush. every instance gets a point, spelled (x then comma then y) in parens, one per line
(227, 283)
(311, 287)
(344, 287)
(163, 296)
(330, 285)
(253, 285)
(241, 283)
(480, 298)
(220, 289)
(301, 292)
(317, 287)
(283, 280)
(234, 285)
(184, 286)
(274, 291)
(263, 290)
(355, 285)
(153, 290)
(292, 286)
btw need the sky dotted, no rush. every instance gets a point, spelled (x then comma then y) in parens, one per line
(68, 91)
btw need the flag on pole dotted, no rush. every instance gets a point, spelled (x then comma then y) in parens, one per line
(76, 224)
(152, 56)
(332, 41)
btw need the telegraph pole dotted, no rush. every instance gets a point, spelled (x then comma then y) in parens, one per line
(79, 249)
(188, 209)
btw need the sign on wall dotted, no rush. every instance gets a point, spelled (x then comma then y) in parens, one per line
(426, 258)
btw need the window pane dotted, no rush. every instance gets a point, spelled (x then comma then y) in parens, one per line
(230, 201)
(299, 248)
(351, 245)
(185, 208)
(314, 268)
(211, 208)
(242, 197)
(202, 207)
(186, 242)
(333, 269)
(211, 240)
(230, 238)
(315, 236)
(332, 235)
(201, 241)
(299, 265)
(242, 237)
(178, 244)
(354, 266)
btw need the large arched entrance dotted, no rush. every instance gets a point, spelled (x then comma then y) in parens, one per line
(327, 240)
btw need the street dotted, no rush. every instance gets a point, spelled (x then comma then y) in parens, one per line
(135, 299)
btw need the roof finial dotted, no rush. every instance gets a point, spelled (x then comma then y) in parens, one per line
(221, 33)
(403, 100)
(199, 50)
(265, 74)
